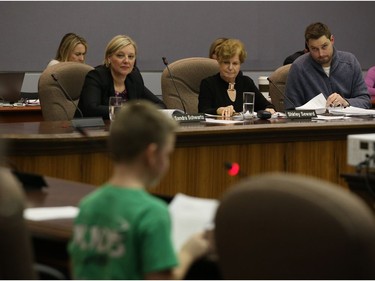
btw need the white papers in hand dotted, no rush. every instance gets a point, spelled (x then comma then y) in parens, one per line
(318, 103)
(50, 213)
(190, 215)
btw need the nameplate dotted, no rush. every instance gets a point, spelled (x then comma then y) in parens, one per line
(189, 118)
(300, 114)
(88, 122)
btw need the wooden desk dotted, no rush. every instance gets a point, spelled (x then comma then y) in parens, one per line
(50, 238)
(11, 114)
(197, 165)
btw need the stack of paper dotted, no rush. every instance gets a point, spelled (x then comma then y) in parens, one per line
(351, 110)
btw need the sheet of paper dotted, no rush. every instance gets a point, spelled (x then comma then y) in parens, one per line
(318, 103)
(50, 213)
(190, 215)
(350, 110)
(330, 118)
(212, 115)
(222, 121)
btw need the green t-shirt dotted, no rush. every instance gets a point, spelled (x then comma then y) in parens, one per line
(121, 233)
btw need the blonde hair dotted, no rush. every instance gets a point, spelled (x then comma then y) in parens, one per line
(230, 48)
(118, 42)
(67, 45)
(214, 46)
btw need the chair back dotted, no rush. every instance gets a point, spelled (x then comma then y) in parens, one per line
(188, 74)
(279, 77)
(284, 226)
(16, 259)
(54, 102)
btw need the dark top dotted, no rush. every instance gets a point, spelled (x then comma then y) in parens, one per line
(213, 94)
(98, 87)
(290, 59)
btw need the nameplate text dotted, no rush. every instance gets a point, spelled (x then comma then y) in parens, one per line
(300, 114)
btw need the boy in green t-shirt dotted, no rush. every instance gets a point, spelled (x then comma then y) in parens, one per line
(121, 231)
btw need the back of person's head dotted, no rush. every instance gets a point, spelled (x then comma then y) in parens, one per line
(214, 46)
(67, 45)
(290, 226)
(138, 124)
(230, 48)
(316, 30)
(118, 42)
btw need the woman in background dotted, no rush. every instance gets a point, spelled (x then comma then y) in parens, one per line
(370, 82)
(118, 76)
(222, 93)
(72, 48)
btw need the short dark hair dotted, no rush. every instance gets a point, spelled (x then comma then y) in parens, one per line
(317, 30)
(138, 124)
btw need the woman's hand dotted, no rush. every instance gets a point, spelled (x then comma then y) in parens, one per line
(227, 111)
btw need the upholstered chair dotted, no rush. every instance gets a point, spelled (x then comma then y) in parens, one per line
(58, 99)
(277, 88)
(187, 74)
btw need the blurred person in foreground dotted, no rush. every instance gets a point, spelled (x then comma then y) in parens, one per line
(122, 231)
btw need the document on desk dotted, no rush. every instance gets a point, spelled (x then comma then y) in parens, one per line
(222, 121)
(318, 103)
(50, 213)
(351, 110)
(190, 215)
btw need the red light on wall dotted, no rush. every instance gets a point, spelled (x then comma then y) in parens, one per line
(234, 169)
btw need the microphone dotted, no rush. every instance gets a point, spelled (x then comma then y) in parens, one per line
(281, 93)
(79, 122)
(174, 83)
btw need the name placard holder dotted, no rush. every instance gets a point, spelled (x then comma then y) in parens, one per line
(189, 118)
(300, 114)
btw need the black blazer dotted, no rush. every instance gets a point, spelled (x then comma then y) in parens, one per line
(98, 87)
(213, 94)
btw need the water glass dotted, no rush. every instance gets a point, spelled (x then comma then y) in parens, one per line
(248, 104)
(115, 104)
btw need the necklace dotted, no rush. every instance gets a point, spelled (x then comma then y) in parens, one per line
(231, 92)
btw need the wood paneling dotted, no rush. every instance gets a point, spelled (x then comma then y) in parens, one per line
(197, 165)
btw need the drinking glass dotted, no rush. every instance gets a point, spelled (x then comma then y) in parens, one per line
(115, 104)
(248, 104)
